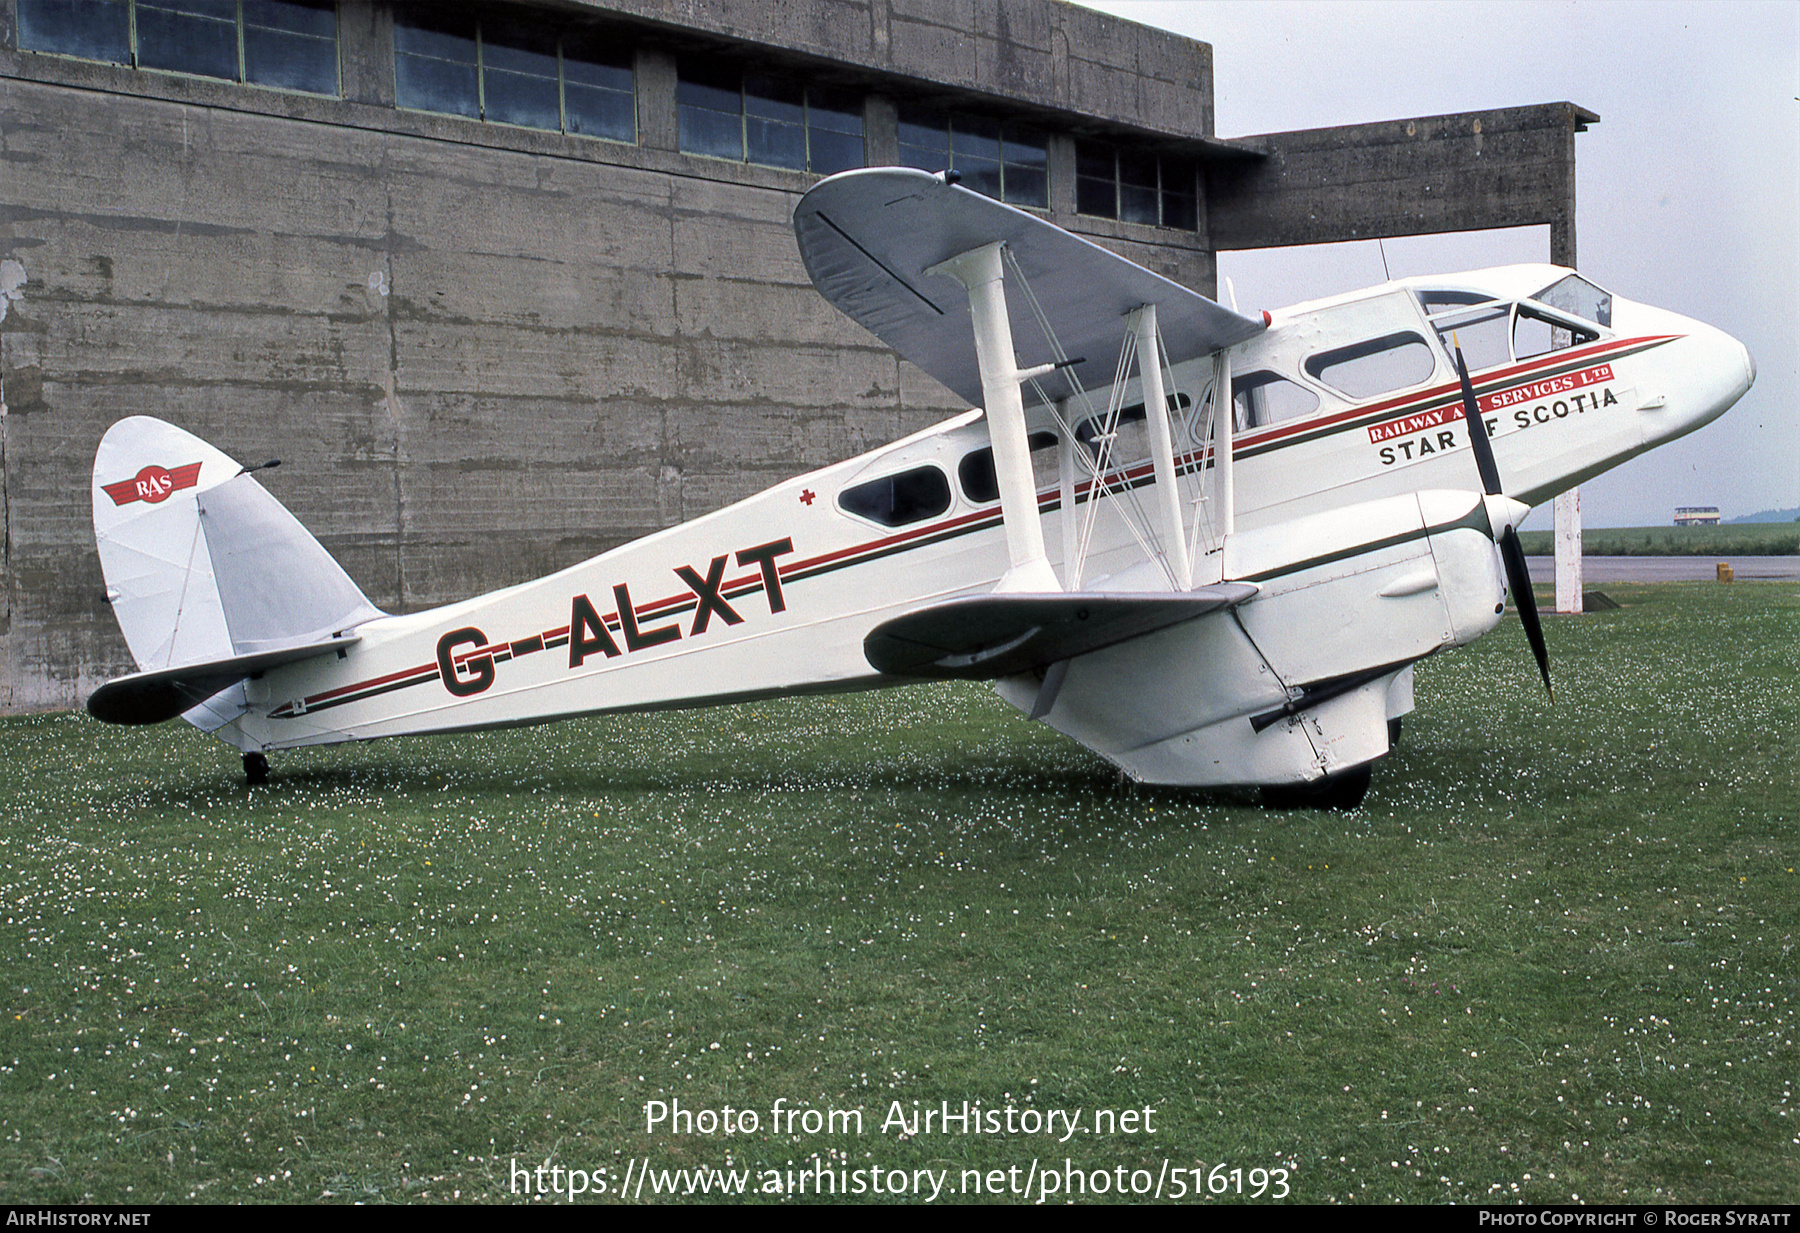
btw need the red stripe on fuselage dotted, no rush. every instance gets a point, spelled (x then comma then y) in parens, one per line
(1391, 409)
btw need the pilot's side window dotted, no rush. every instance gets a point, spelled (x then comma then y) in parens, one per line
(1437, 301)
(1537, 334)
(1482, 333)
(1578, 297)
(1376, 366)
(1268, 398)
(899, 500)
(981, 485)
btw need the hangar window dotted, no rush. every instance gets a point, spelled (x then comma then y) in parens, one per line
(1136, 186)
(1265, 397)
(1005, 161)
(286, 44)
(1376, 366)
(981, 485)
(897, 500)
(727, 111)
(519, 72)
(90, 29)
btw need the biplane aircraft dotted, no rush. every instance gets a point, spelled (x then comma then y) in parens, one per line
(1209, 547)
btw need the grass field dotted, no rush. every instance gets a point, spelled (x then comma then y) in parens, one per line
(1551, 958)
(1751, 539)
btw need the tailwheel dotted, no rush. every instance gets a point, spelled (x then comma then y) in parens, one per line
(1344, 790)
(256, 769)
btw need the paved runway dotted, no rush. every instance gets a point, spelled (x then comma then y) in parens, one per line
(1599, 570)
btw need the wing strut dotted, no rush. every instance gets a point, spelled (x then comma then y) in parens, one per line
(1162, 443)
(1225, 420)
(979, 271)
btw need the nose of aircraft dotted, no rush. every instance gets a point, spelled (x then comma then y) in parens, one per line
(1692, 379)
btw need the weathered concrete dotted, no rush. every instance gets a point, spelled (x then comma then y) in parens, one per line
(467, 388)
(1509, 168)
(1069, 60)
(481, 353)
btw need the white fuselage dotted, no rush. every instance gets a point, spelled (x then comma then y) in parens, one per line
(775, 594)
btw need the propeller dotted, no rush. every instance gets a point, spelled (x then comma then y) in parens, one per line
(1512, 553)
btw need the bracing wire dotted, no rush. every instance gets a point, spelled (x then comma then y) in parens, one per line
(1134, 517)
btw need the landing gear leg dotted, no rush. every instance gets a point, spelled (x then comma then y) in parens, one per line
(1344, 790)
(256, 769)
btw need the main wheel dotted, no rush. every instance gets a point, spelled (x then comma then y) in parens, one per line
(256, 768)
(1345, 790)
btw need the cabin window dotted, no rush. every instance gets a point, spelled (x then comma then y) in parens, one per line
(1260, 398)
(898, 500)
(1437, 301)
(1131, 432)
(1536, 333)
(727, 111)
(1578, 297)
(1005, 161)
(286, 44)
(1376, 366)
(976, 471)
(1130, 440)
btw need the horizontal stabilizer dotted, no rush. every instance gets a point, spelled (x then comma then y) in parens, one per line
(986, 637)
(151, 697)
(868, 236)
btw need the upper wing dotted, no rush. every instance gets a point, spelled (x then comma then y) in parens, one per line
(867, 237)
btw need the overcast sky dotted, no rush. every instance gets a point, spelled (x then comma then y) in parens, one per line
(1688, 190)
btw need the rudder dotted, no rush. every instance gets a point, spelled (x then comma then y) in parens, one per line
(201, 563)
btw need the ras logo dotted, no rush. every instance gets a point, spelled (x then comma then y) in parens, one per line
(153, 484)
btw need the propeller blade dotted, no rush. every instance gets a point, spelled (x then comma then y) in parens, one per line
(1512, 553)
(1518, 578)
(1478, 435)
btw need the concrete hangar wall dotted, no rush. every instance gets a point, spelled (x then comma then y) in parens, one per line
(507, 285)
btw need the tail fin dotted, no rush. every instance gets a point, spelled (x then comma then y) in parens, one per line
(201, 563)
